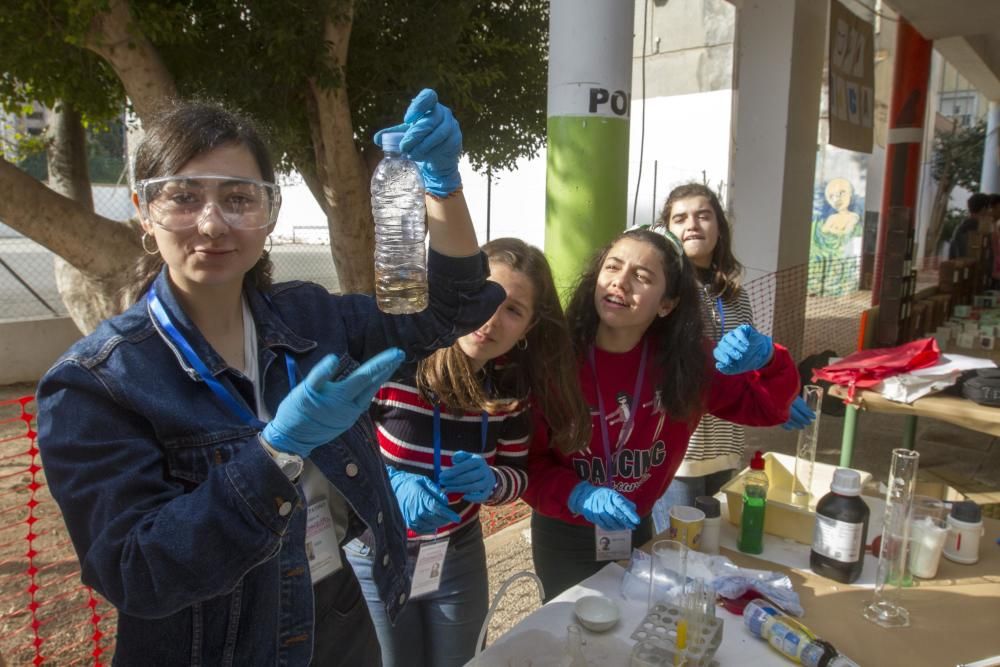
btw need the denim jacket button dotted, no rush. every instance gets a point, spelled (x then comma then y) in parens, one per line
(352, 470)
(385, 560)
(378, 517)
(285, 508)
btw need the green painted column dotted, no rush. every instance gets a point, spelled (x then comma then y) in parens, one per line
(586, 183)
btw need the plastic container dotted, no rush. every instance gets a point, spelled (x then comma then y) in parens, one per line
(713, 520)
(928, 531)
(785, 517)
(841, 534)
(965, 527)
(751, 536)
(400, 227)
(785, 635)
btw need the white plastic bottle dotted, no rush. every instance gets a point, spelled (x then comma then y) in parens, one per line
(400, 227)
(965, 527)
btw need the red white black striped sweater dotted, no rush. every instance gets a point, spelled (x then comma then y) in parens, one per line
(404, 423)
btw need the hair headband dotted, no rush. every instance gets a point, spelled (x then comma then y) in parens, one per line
(668, 235)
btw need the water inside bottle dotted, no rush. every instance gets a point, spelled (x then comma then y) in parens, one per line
(398, 296)
(400, 255)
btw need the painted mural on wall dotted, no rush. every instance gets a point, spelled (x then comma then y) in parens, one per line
(837, 222)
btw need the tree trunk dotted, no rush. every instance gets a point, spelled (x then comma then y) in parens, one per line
(133, 57)
(942, 195)
(89, 297)
(341, 168)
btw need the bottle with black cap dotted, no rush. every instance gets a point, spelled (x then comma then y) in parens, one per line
(965, 527)
(710, 530)
(838, 549)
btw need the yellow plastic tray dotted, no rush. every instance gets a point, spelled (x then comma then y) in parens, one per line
(783, 516)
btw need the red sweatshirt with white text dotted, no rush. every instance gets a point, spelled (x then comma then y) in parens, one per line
(643, 466)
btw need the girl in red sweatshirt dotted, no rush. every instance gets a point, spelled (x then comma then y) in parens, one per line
(644, 367)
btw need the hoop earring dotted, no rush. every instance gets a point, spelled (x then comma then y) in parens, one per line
(270, 244)
(155, 251)
(522, 344)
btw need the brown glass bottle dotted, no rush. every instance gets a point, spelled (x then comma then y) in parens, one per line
(841, 533)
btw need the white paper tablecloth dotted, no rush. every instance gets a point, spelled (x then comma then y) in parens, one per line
(612, 648)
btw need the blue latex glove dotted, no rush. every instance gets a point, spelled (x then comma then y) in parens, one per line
(319, 409)
(469, 475)
(799, 416)
(603, 507)
(742, 349)
(423, 505)
(433, 140)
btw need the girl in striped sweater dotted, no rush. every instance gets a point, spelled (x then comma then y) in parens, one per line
(454, 433)
(695, 216)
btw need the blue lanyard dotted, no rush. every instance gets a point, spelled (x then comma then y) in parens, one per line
(722, 317)
(626, 431)
(236, 407)
(484, 425)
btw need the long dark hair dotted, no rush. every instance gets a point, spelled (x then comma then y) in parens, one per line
(544, 369)
(682, 357)
(726, 271)
(179, 132)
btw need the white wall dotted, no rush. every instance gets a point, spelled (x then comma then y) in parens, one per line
(687, 136)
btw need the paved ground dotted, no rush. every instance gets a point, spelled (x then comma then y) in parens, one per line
(971, 459)
(951, 452)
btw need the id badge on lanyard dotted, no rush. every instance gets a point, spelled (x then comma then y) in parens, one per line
(427, 571)
(615, 544)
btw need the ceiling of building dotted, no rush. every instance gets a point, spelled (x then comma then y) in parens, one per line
(965, 32)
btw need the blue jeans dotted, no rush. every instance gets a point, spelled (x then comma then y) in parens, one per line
(438, 629)
(683, 491)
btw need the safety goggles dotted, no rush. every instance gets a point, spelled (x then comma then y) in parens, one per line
(176, 203)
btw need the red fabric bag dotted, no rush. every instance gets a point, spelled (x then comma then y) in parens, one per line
(866, 368)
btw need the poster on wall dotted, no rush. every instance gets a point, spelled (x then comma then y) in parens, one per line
(852, 79)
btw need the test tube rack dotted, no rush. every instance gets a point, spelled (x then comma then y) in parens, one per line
(656, 635)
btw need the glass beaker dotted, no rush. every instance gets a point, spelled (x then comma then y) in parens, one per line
(667, 572)
(884, 608)
(805, 452)
(928, 530)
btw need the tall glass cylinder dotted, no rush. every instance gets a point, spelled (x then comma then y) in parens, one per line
(885, 608)
(805, 453)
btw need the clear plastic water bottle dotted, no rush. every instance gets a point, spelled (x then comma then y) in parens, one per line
(399, 212)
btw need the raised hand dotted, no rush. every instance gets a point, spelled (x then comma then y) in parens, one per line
(319, 409)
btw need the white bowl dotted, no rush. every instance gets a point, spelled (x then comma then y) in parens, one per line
(596, 612)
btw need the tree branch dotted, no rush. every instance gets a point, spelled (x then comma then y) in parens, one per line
(115, 37)
(64, 226)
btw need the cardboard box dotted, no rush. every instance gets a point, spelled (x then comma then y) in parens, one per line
(784, 517)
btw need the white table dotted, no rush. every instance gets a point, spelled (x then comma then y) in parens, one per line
(612, 649)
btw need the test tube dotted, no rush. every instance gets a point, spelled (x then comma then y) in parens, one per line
(805, 452)
(890, 577)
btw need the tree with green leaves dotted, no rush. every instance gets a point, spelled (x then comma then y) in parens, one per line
(957, 160)
(321, 75)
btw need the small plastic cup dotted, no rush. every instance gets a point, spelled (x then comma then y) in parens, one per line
(928, 531)
(686, 524)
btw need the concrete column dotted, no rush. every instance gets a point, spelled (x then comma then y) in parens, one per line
(590, 79)
(778, 68)
(990, 178)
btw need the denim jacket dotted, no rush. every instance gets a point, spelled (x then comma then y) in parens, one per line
(178, 515)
